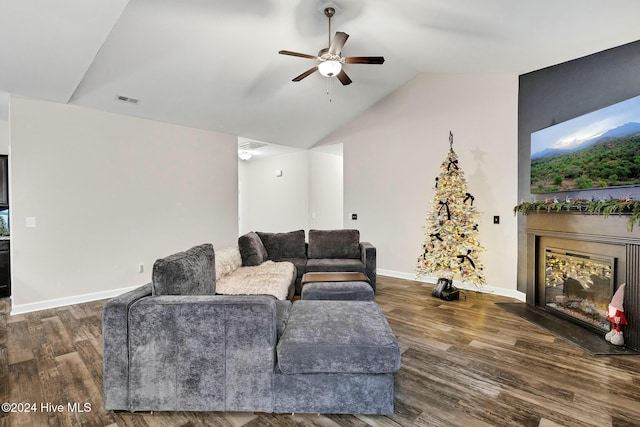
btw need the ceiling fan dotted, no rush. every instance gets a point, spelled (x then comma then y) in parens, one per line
(330, 60)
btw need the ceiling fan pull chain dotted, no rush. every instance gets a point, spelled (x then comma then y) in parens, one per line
(329, 88)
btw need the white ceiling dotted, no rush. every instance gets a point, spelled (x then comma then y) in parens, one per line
(214, 64)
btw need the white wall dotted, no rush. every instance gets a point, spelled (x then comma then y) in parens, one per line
(4, 123)
(109, 192)
(308, 195)
(4, 137)
(275, 204)
(326, 189)
(392, 155)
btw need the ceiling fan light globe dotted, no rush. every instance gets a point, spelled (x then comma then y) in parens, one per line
(330, 68)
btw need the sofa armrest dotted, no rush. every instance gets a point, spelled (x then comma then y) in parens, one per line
(368, 256)
(115, 333)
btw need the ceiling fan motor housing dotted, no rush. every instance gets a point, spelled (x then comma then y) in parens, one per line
(324, 55)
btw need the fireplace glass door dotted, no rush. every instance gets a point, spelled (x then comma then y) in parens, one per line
(579, 285)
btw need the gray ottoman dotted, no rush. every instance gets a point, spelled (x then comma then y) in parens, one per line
(336, 357)
(349, 337)
(345, 291)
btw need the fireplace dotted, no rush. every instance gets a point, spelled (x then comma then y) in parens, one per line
(579, 286)
(575, 263)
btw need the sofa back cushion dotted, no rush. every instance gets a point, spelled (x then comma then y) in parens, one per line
(252, 250)
(227, 261)
(334, 244)
(284, 245)
(191, 272)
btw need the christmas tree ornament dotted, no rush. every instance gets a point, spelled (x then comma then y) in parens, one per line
(451, 248)
(616, 317)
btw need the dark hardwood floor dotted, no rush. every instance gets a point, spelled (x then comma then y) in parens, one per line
(464, 363)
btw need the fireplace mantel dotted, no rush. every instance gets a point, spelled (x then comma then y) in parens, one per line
(587, 226)
(589, 233)
(628, 208)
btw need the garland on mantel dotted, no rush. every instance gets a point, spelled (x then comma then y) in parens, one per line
(604, 207)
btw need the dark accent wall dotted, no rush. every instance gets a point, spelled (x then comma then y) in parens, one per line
(562, 92)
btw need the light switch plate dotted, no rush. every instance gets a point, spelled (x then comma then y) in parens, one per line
(31, 222)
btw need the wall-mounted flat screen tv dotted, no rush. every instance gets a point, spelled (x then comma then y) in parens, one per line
(600, 149)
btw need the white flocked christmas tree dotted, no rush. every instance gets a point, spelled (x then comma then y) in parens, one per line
(451, 248)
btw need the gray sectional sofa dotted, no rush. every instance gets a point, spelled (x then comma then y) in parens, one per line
(327, 250)
(173, 345)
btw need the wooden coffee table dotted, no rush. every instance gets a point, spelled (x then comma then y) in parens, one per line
(336, 286)
(334, 277)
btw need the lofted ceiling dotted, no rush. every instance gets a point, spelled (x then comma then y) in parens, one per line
(214, 64)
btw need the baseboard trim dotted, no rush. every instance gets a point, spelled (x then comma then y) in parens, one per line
(60, 302)
(78, 299)
(511, 293)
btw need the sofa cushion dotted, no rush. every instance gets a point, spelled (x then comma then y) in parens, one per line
(299, 263)
(252, 250)
(337, 337)
(191, 272)
(334, 244)
(343, 291)
(330, 265)
(269, 278)
(284, 245)
(227, 261)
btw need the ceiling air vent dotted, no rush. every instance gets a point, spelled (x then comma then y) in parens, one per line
(127, 99)
(251, 145)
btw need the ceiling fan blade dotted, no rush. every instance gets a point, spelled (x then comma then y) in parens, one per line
(305, 74)
(301, 55)
(364, 60)
(344, 79)
(338, 42)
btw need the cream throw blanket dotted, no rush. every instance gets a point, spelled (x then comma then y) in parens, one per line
(268, 278)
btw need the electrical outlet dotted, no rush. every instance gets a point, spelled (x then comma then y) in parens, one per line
(496, 219)
(141, 268)
(354, 217)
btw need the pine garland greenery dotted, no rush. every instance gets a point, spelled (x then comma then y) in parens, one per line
(603, 207)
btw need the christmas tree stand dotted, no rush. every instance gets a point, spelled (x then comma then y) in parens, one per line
(445, 290)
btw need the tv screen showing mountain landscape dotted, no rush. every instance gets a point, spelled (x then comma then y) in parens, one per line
(598, 150)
